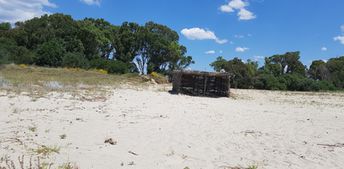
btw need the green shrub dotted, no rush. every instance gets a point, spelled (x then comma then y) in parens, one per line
(22, 56)
(7, 47)
(296, 82)
(10, 52)
(99, 63)
(75, 60)
(114, 67)
(117, 67)
(326, 86)
(50, 53)
(269, 82)
(5, 26)
(4, 57)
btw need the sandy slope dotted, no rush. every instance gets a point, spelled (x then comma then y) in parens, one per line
(157, 130)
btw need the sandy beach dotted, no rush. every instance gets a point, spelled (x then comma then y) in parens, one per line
(153, 129)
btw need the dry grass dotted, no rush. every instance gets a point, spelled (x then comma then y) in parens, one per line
(39, 81)
(17, 75)
(31, 163)
(46, 151)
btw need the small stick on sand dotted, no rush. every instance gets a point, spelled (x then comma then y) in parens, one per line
(132, 153)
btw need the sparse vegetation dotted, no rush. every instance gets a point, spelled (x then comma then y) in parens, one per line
(253, 167)
(250, 167)
(31, 163)
(63, 136)
(46, 151)
(33, 129)
(67, 166)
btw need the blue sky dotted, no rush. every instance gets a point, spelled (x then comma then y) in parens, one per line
(252, 29)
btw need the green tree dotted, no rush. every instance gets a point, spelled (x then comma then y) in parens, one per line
(40, 30)
(318, 70)
(126, 42)
(335, 67)
(160, 50)
(240, 72)
(162, 46)
(50, 53)
(7, 48)
(252, 67)
(11, 53)
(219, 64)
(98, 37)
(287, 63)
(5, 26)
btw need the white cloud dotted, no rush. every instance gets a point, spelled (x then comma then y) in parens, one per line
(241, 49)
(240, 6)
(210, 52)
(226, 8)
(244, 14)
(202, 34)
(233, 5)
(340, 39)
(257, 58)
(220, 51)
(91, 2)
(21, 10)
(221, 41)
(324, 49)
(239, 36)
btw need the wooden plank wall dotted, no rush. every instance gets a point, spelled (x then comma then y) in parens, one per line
(201, 84)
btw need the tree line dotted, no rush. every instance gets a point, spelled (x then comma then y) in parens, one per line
(284, 72)
(60, 41)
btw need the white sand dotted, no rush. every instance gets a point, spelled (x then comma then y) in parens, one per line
(272, 130)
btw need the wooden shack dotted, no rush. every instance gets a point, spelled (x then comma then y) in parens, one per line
(197, 83)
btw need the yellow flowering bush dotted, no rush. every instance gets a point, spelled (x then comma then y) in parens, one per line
(73, 69)
(23, 66)
(102, 71)
(155, 74)
(158, 78)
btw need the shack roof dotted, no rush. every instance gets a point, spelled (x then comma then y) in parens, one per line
(201, 73)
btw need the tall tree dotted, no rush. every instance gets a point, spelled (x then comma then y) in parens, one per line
(162, 46)
(160, 50)
(318, 70)
(5, 26)
(179, 60)
(336, 68)
(127, 42)
(240, 72)
(287, 63)
(219, 64)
